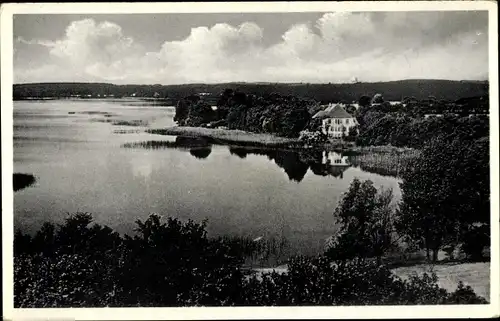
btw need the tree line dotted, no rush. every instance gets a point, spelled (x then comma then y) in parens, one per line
(281, 115)
(394, 90)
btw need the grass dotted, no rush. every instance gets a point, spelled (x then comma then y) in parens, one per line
(135, 122)
(93, 112)
(381, 149)
(180, 142)
(107, 119)
(151, 144)
(126, 131)
(229, 137)
(260, 252)
(383, 163)
(101, 120)
(476, 275)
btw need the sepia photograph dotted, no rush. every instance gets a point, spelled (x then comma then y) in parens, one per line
(251, 156)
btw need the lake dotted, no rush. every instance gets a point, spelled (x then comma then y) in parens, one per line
(86, 157)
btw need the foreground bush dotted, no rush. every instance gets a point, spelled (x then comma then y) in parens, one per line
(79, 264)
(318, 281)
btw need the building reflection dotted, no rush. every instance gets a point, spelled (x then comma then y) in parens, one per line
(297, 163)
(332, 164)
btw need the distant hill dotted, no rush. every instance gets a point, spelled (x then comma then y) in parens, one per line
(392, 90)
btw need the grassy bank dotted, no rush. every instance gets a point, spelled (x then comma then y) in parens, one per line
(476, 275)
(244, 138)
(382, 160)
(230, 137)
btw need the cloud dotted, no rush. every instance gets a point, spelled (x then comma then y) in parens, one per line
(45, 43)
(335, 48)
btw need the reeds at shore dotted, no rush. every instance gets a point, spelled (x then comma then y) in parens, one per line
(384, 163)
(228, 137)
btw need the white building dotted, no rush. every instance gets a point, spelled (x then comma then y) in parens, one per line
(336, 122)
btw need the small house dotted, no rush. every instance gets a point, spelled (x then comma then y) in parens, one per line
(335, 121)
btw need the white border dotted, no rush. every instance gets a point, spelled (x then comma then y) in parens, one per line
(7, 11)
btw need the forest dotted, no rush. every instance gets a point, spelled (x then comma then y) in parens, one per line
(324, 93)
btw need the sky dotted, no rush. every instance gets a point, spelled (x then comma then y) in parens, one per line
(315, 47)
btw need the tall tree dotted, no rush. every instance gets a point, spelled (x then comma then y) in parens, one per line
(364, 101)
(365, 218)
(445, 190)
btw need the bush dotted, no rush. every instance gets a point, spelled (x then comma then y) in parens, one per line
(175, 264)
(165, 264)
(312, 138)
(464, 295)
(318, 281)
(474, 242)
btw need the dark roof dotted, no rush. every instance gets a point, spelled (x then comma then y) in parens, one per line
(335, 111)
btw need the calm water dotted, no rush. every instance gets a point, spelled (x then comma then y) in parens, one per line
(84, 161)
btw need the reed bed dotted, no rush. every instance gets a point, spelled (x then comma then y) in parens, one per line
(151, 144)
(93, 112)
(180, 142)
(384, 163)
(260, 252)
(127, 131)
(135, 122)
(229, 137)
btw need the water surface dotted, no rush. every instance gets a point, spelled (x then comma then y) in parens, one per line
(85, 162)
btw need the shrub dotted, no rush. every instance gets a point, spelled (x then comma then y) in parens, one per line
(319, 281)
(175, 264)
(465, 295)
(475, 239)
(312, 138)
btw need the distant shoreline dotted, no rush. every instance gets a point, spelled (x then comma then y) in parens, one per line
(323, 92)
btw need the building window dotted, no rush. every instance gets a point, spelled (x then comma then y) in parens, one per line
(347, 121)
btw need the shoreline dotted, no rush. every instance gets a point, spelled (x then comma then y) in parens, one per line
(230, 137)
(248, 139)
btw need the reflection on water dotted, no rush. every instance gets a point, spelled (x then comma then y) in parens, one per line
(294, 163)
(122, 174)
(200, 152)
(297, 163)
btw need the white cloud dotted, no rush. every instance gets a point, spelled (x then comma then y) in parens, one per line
(339, 47)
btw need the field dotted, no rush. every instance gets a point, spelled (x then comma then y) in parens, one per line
(477, 275)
